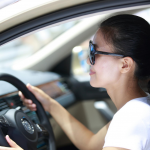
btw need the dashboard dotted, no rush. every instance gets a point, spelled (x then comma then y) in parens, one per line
(50, 83)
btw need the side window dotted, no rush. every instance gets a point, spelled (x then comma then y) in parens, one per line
(79, 58)
(22, 48)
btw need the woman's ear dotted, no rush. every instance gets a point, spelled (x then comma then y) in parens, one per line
(126, 64)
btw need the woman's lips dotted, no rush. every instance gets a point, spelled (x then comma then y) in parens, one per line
(91, 72)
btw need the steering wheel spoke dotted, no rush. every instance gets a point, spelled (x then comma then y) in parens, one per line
(42, 131)
(4, 123)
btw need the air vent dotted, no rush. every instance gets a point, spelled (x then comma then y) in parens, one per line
(3, 104)
(12, 101)
(17, 101)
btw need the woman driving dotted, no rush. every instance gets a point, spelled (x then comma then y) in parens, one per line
(119, 58)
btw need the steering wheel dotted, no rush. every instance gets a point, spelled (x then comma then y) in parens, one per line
(19, 126)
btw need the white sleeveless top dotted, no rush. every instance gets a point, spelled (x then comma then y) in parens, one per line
(130, 126)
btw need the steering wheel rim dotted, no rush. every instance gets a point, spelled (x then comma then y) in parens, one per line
(40, 111)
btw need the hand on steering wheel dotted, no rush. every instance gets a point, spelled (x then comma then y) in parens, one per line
(19, 125)
(42, 97)
(12, 144)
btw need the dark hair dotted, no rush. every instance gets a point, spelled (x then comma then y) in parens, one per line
(129, 35)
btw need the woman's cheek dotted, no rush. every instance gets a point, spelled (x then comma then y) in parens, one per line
(112, 73)
(102, 70)
(106, 74)
(99, 80)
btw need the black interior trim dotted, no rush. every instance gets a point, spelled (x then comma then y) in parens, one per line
(65, 14)
(63, 68)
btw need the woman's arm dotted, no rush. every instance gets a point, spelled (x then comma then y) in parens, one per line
(82, 137)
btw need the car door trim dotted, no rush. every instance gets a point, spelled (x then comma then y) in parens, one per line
(65, 14)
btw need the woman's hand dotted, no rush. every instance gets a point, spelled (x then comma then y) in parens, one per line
(42, 97)
(13, 145)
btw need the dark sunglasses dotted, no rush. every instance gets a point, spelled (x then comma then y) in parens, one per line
(92, 53)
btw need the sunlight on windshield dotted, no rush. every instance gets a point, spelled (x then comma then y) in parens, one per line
(26, 46)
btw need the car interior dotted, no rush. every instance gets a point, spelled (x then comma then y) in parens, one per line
(53, 58)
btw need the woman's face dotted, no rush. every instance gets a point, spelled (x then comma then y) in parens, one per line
(105, 71)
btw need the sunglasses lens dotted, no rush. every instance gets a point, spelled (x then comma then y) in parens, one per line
(92, 53)
(92, 50)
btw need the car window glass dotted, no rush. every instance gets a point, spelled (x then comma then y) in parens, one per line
(20, 49)
(79, 58)
(26, 46)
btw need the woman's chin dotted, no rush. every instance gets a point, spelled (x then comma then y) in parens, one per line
(95, 85)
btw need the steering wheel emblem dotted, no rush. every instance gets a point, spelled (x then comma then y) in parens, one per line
(27, 126)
